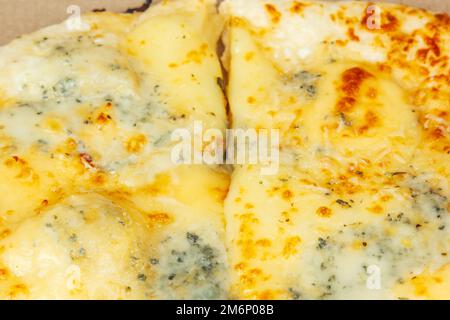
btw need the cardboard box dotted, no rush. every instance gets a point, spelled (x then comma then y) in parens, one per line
(18, 17)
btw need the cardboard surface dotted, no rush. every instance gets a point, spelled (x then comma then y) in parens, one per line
(18, 17)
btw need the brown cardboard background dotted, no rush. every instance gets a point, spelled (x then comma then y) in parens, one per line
(22, 16)
(18, 17)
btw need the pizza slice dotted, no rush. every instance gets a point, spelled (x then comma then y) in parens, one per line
(93, 205)
(360, 96)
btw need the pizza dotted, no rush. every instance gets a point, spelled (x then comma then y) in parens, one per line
(361, 199)
(93, 205)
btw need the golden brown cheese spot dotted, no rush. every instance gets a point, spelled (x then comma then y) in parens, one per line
(136, 144)
(344, 187)
(196, 56)
(267, 295)
(221, 193)
(435, 125)
(324, 212)
(386, 198)
(376, 208)
(432, 44)
(249, 206)
(351, 82)
(346, 104)
(4, 233)
(102, 115)
(341, 43)
(3, 274)
(263, 243)
(372, 93)
(23, 171)
(13, 160)
(287, 194)
(438, 133)
(159, 219)
(420, 286)
(193, 56)
(28, 174)
(249, 56)
(371, 120)
(250, 277)
(352, 35)
(272, 11)
(443, 62)
(297, 7)
(103, 118)
(247, 221)
(18, 290)
(240, 266)
(99, 178)
(422, 54)
(291, 246)
(443, 20)
(248, 248)
(383, 67)
(251, 100)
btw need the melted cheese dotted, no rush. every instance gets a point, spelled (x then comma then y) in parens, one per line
(83, 246)
(363, 183)
(85, 138)
(293, 237)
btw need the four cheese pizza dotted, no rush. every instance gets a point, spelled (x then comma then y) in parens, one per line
(93, 205)
(360, 206)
